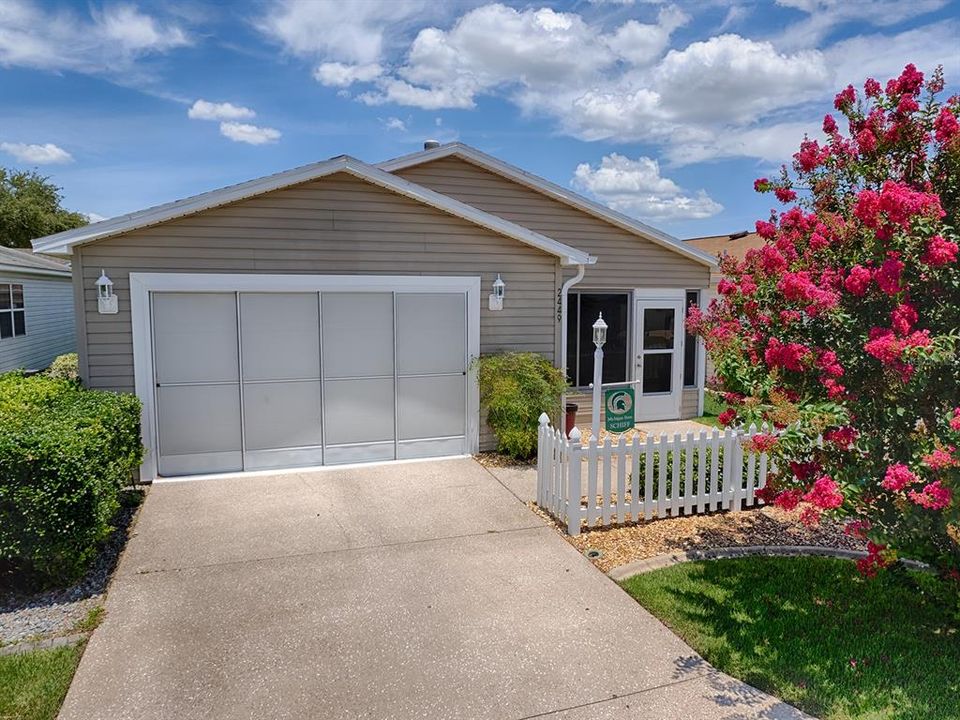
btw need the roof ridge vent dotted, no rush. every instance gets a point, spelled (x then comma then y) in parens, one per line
(431, 144)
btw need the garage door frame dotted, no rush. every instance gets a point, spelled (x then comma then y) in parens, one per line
(143, 284)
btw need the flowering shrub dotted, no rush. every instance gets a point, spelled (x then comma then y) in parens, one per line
(843, 330)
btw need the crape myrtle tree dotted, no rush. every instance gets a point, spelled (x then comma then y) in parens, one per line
(843, 330)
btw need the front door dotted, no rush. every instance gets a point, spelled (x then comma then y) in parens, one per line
(659, 357)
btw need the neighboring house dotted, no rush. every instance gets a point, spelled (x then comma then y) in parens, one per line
(36, 310)
(328, 314)
(735, 245)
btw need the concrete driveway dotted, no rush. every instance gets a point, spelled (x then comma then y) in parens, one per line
(422, 590)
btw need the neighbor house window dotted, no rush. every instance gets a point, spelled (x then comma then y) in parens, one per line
(582, 311)
(13, 321)
(690, 349)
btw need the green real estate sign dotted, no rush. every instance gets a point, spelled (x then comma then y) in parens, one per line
(619, 410)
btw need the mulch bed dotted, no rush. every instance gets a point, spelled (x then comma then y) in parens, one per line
(756, 526)
(34, 616)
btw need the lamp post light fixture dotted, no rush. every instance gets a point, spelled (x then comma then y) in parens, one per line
(599, 332)
(496, 297)
(106, 300)
(599, 338)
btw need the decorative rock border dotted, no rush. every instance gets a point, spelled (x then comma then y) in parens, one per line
(45, 644)
(622, 572)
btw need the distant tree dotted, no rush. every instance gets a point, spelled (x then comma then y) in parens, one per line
(30, 208)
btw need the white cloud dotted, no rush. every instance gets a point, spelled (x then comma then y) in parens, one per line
(642, 44)
(732, 78)
(205, 110)
(250, 134)
(855, 59)
(636, 187)
(825, 15)
(723, 96)
(336, 74)
(534, 50)
(773, 143)
(331, 29)
(107, 42)
(46, 154)
(395, 123)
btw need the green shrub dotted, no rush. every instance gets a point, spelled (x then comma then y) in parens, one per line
(65, 454)
(65, 367)
(516, 388)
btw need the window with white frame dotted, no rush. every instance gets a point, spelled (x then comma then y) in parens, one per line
(13, 317)
(690, 350)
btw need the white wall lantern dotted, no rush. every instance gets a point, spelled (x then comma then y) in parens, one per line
(106, 300)
(496, 297)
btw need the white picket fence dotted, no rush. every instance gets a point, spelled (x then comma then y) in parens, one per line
(619, 482)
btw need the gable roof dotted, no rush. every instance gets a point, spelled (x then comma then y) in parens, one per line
(62, 243)
(735, 244)
(16, 260)
(552, 190)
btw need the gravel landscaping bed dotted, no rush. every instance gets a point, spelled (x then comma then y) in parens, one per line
(757, 526)
(58, 612)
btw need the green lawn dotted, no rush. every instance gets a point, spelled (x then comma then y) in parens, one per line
(713, 405)
(815, 633)
(33, 685)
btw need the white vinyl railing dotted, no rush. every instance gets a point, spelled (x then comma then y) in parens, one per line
(626, 481)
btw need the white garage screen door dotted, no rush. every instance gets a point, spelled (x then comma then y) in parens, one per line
(258, 380)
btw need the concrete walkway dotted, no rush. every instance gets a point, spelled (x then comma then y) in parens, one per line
(422, 590)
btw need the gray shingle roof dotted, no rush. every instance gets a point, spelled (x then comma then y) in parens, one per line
(28, 260)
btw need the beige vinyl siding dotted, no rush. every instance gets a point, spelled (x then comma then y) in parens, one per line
(624, 260)
(48, 302)
(335, 225)
(689, 402)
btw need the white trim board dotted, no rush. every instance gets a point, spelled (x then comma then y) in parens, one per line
(142, 284)
(544, 186)
(63, 243)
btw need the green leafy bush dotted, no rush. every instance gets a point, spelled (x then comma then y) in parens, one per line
(65, 367)
(516, 388)
(65, 454)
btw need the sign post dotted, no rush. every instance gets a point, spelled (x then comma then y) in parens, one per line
(619, 405)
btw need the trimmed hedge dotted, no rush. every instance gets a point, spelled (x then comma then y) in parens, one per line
(516, 387)
(65, 455)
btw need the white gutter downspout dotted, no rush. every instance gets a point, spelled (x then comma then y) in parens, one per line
(581, 269)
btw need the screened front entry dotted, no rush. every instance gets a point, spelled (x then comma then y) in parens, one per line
(659, 357)
(248, 380)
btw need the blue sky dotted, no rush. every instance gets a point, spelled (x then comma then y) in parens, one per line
(664, 110)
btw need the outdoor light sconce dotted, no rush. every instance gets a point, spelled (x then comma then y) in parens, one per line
(106, 300)
(496, 297)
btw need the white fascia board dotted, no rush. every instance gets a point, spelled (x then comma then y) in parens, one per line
(62, 243)
(553, 190)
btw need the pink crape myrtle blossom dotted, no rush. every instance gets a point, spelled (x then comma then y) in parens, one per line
(897, 477)
(843, 328)
(933, 497)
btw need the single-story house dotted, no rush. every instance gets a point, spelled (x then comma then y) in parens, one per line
(36, 310)
(329, 313)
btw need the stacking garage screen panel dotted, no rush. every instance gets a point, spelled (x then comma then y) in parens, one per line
(258, 379)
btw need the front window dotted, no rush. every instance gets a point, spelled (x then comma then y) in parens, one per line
(582, 311)
(13, 320)
(690, 349)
